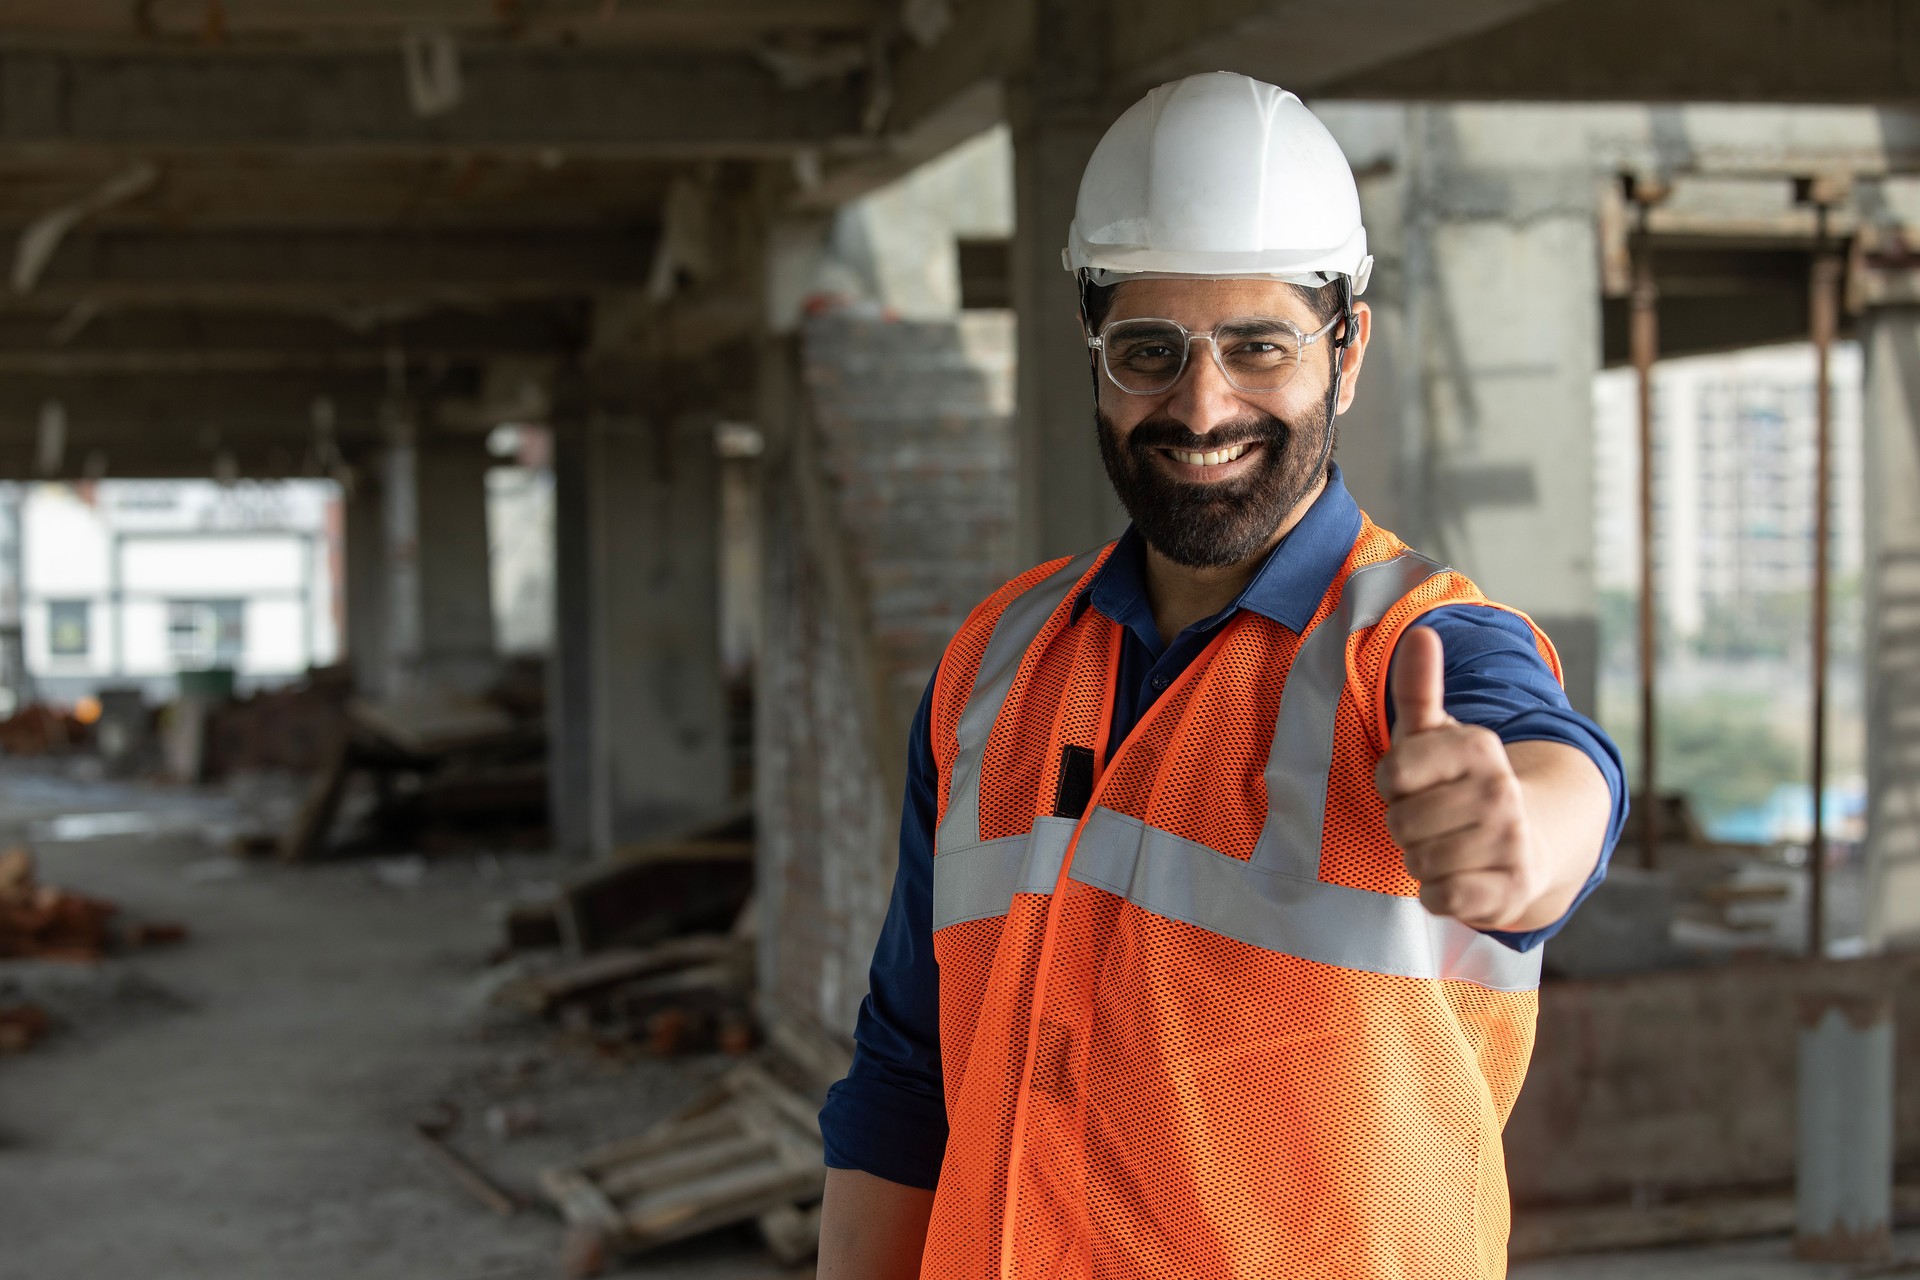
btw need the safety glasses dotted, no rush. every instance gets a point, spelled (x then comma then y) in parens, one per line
(1147, 355)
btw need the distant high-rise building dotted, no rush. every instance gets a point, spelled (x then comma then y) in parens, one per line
(1733, 480)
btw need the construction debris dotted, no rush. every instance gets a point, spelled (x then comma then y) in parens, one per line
(696, 880)
(445, 767)
(747, 1151)
(51, 923)
(21, 1025)
(39, 730)
(292, 729)
(432, 1134)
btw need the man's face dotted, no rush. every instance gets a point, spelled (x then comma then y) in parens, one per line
(1214, 514)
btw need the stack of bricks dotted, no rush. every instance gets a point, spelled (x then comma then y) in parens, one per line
(913, 436)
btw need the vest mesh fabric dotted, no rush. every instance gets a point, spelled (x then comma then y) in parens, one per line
(1170, 1102)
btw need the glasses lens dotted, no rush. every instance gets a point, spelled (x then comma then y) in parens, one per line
(1259, 354)
(1144, 356)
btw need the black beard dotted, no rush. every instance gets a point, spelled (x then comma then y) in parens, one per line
(1213, 526)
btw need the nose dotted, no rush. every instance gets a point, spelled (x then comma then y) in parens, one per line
(1203, 399)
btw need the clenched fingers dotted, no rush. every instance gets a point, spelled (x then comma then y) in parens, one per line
(1421, 761)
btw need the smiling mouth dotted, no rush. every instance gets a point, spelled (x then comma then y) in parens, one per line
(1211, 457)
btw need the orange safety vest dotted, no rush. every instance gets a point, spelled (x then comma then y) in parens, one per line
(1194, 1022)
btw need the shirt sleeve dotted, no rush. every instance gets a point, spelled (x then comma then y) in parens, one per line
(888, 1117)
(1496, 678)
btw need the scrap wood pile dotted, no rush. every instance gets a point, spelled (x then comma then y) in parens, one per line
(46, 922)
(653, 948)
(446, 769)
(292, 728)
(748, 1150)
(39, 730)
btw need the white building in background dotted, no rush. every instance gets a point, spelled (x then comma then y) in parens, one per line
(1733, 478)
(128, 582)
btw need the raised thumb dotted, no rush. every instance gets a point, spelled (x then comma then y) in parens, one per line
(1419, 685)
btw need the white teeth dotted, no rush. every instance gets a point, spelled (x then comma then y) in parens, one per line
(1212, 457)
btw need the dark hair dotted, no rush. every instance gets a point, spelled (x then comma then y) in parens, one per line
(1097, 299)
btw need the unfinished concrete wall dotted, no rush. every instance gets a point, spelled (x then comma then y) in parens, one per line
(1685, 1081)
(1471, 435)
(892, 503)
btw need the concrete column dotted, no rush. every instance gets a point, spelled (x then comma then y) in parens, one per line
(1891, 336)
(570, 685)
(456, 585)
(440, 599)
(368, 642)
(1472, 435)
(639, 727)
(1843, 1185)
(1058, 116)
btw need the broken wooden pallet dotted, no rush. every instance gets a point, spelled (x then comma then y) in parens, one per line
(712, 959)
(746, 1151)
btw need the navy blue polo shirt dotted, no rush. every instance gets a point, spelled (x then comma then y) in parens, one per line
(888, 1117)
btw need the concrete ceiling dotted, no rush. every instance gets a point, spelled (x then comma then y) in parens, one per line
(263, 195)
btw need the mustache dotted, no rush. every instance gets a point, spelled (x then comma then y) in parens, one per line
(1165, 433)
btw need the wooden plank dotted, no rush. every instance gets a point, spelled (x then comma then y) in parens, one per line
(637, 1177)
(308, 835)
(581, 1202)
(750, 1080)
(655, 891)
(737, 1195)
(824, 1058)
(662, 1137)
(469, 1175)
(540, 992)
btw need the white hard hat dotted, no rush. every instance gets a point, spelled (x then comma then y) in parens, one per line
(1219, 175)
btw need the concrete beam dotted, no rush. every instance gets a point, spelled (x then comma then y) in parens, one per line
(705, 23)
(191, 418)
(1300, 44)
(686, 104)
(138, 266)
(1666, 51)
(206, 341)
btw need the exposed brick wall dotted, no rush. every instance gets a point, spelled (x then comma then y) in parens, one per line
(912, 426)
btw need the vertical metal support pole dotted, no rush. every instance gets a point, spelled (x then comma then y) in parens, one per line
(1826, 319)
(1645, 342)
(1843, 1187)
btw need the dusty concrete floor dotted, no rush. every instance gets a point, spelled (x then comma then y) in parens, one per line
(238, 1107)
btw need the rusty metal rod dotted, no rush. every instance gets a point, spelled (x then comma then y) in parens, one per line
(1644, 338)
(1825, 322)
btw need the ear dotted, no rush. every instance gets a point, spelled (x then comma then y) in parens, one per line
(1354, 354)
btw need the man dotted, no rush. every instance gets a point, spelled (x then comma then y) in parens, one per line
(1227, 848)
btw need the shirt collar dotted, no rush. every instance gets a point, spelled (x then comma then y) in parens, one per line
(1287, 588)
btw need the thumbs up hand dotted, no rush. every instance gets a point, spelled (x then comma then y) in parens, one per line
(1455, 805)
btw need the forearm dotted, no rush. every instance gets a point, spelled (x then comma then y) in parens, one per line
(1568, 806)
(872, 1229)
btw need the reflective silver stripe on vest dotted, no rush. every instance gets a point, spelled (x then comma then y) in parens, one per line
(1274, 900)
(1302, 756)
(1013, 634)
(1308, 918)
(973, 883)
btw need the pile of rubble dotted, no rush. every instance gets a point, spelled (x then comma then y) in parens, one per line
(444, 770)
(40, 730)
(46, 922)
(651, 954)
